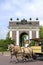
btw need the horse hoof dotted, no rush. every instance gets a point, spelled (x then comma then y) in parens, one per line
(16, 62)
(10, 61)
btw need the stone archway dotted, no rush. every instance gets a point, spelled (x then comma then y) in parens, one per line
(19, 28)
(22, 38)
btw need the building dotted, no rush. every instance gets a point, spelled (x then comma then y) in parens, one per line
(19, 28)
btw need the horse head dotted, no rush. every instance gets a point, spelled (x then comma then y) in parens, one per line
(10, 47)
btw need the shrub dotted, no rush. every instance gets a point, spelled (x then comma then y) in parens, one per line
(32, 43)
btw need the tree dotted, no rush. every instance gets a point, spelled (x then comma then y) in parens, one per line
(41, 32)
(32, 43)
(4, 43)
(24, 39)
(7, 35)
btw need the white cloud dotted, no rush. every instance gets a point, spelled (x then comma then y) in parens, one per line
(27, 8)
(21, 9)
(3, 32)
(41, 22)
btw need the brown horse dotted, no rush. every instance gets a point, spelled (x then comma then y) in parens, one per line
(16, 50)
(27, 52)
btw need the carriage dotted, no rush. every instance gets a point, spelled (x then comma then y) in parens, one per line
(37, 48)
(32, 52)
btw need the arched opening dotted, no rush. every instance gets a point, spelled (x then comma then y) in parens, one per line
(23, 38)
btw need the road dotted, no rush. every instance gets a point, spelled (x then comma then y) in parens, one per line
(5, 60)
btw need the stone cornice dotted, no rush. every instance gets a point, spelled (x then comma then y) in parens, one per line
(25, 29)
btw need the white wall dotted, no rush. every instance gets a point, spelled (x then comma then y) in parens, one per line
(11, 34)
(30, 34)
(17, 37)
(37, 34)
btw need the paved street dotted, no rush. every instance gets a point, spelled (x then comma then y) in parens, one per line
(5, 60)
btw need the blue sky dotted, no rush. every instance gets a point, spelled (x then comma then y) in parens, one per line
(21, 9)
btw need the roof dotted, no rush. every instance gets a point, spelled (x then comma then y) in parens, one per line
(25, 24)
(37, 39)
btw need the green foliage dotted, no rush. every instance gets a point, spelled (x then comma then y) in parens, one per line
(7, 35)
(4, 44)
(41, 43)
(1, 43)
(41, 32)
(23, 40)
(32, 43)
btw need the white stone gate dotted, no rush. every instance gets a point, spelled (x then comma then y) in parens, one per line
(16, 28)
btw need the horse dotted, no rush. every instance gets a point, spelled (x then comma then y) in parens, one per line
(25, 52)
(14, 50)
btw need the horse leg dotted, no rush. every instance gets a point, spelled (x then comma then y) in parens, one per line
(31, 57)
(16, 59)
(23, 57)
(11, 58)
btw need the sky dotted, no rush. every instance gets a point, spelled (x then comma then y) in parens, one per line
(19, 9)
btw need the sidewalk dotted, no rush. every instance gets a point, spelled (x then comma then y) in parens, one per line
(5, 53)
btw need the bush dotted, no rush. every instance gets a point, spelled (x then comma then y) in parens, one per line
(32, 43)
(4, 44)
(2, 49)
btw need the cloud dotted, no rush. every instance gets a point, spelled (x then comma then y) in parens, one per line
(3, 32)
(21, 9)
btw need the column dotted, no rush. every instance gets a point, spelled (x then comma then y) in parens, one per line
(17, 37)
(37, 34)
(11, 34)
(30, 34)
